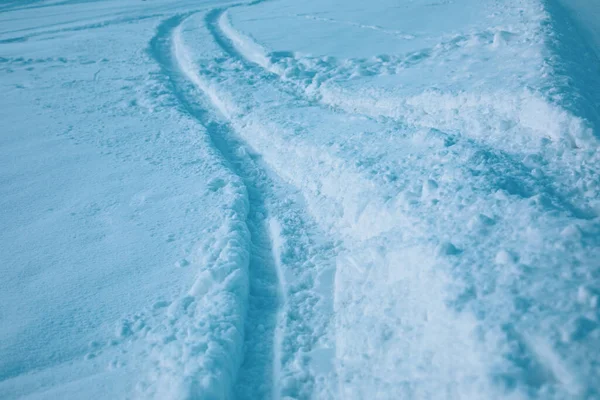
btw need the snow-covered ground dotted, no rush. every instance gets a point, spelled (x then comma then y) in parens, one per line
(316, 199)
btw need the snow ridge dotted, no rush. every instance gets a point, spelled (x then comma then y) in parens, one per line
(475, 113)
(223, 288)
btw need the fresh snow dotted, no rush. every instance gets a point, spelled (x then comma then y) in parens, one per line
(284, 199)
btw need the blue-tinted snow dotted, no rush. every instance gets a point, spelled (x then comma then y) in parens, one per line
(299, 199)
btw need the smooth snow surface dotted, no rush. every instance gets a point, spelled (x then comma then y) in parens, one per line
(285, 199)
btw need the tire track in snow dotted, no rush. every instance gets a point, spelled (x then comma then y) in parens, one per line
(264, 301)
(258, 60)
(277, 227)
(33, 4)
(309, 76)
(78, 28)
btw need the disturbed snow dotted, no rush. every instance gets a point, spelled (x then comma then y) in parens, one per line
(285, 199)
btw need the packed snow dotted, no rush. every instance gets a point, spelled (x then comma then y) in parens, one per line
(285, 199)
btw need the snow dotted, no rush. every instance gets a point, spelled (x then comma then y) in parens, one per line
(299, 199)
(584, 15)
